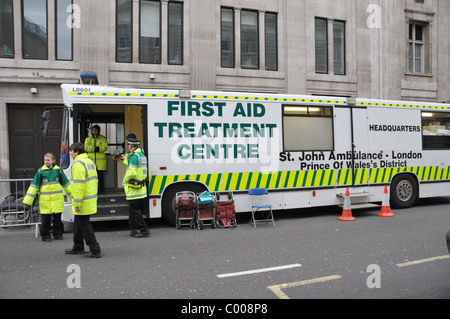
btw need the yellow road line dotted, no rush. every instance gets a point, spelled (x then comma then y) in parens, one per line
(416, 262)
(278, 289)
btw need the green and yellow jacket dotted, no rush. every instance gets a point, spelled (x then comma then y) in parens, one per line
(48, 181)
(84, 185)
(99, 158)
(136, 171)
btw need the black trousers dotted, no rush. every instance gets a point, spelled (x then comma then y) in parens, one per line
(101, 187)
(83, 232)
(46, 225)
(137, 221)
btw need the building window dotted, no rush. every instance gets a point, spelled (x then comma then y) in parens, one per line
(416, 48)
(321, 39)
(6, 29)
(34, 26)
(250, 36)
(339, 47)
(271, 44)
(307, 128)
(436, 130)
(150, 32)
(124, 28)
(227, 38)
(175, 30)
(321, 45)
(249, 40)
(63, 30)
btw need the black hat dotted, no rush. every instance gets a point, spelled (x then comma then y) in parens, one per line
(97, 127)
(130, 135)
(133, 141)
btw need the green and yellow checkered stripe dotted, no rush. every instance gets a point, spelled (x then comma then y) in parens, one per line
(407, 105)
(274, 99)
(385, 175)
(124, 94)
(248, 180)
(298, 179)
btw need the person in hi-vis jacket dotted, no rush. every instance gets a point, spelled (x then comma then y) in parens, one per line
(135, 186)
(96, 146)
(84, 202)
(49, 181)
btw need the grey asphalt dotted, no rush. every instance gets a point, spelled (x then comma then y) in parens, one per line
(184, 264)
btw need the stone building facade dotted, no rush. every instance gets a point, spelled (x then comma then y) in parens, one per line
(381, 49)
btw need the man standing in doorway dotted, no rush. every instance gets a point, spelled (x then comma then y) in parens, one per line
(84, 202)
(135, 186)
(96, 146)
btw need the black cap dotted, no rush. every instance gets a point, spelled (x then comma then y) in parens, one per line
(133, 141)
(130, 135)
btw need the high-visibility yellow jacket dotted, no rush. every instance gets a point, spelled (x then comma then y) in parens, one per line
(136, 170)
(84, 185)
(99, 158)
(48, 181)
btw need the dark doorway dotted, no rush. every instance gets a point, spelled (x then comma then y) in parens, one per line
(27, 146)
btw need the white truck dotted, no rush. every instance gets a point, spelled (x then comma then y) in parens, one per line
(306, 150)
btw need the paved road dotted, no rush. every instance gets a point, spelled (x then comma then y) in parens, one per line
(318, 256)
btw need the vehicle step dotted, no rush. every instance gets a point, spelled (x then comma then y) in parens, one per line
(112, 209)
(354, 195)
(361, 206)
(116, 199)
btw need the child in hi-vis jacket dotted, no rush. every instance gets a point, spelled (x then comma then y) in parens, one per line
(48, 181)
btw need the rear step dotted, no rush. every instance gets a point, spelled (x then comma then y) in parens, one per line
(358, 200)
(112, 204)
(361, 206)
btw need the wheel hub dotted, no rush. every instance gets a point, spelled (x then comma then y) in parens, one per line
(404, 190)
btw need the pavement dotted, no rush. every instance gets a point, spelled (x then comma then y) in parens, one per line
(308, 255)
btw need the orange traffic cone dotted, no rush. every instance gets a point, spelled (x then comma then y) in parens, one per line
(347, 212)
(385, 207)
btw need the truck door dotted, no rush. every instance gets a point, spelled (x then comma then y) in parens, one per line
(351, 143)
(360, 142)
(343, 140)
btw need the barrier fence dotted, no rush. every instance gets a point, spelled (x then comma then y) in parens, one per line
(13, 212)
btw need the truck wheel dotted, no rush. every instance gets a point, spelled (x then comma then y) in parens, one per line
(168, 202)
(404, 191)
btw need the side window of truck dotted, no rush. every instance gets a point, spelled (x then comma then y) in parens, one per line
(307, 128)
(436, 130)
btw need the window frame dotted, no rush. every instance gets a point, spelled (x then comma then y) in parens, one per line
(140, 33)
(257, 44)
(329, 116)
(412, 41)
(130, 60)
(442, 142)
(232, 39)
(11, 33)
(181, 61)
(24, 46)
(343, 47)
(325, 68)
(275, 15)
(56, 35)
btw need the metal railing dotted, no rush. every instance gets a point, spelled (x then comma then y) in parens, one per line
(13, 212)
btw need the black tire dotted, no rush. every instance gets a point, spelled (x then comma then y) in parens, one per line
(168, 207)
(404, 191)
